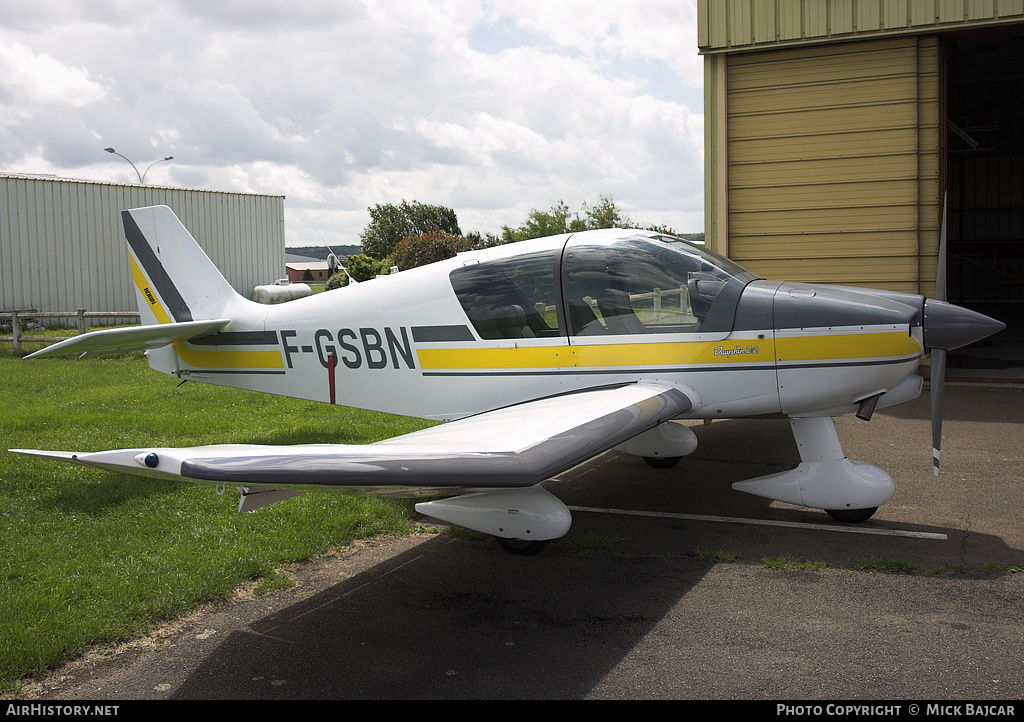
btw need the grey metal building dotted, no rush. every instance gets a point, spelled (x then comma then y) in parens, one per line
(62, 245)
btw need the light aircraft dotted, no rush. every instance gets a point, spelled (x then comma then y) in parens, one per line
(539, 355)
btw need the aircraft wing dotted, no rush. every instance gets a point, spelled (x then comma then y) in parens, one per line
(116, 340)
(513, 447)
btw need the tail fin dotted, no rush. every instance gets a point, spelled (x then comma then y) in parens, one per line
(174, 279)
(182, 296)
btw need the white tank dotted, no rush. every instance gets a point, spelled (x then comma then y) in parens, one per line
(280, 292)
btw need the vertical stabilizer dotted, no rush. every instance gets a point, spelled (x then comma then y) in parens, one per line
(174, 279)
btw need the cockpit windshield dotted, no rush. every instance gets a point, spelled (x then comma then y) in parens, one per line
(644, 284)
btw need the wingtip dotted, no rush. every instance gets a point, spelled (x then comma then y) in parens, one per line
(58, 455)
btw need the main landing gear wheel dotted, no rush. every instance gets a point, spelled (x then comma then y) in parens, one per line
(851, 516)
(522, 547)
(663, 462)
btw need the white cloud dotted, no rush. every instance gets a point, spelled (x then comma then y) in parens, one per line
(642, 29)
(491, 107)
(37, 78)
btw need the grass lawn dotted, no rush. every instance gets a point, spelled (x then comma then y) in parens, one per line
(88, 556)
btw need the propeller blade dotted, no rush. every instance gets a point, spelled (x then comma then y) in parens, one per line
(940, 273)
(938, 383)
(938, 369)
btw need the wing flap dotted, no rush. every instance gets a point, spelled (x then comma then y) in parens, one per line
(517, 446)
(134, 338)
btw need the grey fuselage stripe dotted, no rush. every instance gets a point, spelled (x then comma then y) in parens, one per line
(237, 338)
(441, 334)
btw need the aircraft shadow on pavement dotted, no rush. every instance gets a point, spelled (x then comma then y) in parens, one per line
(452, 619)
(457, 619)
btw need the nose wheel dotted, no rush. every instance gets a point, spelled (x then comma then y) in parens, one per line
(663, 462)
(521, 547)
(851, 516)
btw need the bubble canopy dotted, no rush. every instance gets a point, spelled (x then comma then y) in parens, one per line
(601, 284)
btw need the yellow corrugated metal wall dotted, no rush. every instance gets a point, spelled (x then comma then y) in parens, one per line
(832, 162)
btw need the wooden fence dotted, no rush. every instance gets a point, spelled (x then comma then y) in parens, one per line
(17, 319)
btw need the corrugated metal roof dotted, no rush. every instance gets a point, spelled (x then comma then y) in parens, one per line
(89, 181)
(725, 26)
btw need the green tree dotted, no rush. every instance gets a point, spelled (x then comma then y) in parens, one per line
(337, 280)
(390, 223)
(662, 228)
(482, 240)
(360, 267)
(429, 247)
(604, 214)
(559, 219)
(544, 223)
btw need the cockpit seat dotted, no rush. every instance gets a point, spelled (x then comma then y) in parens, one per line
(584, 320)
(511, 322)
(618, 314)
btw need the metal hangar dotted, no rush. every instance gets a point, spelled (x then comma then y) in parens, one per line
(834, 129)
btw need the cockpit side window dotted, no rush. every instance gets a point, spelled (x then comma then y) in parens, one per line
(641, 285)
(511, 298)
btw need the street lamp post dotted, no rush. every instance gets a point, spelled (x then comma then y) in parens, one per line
(142, 176)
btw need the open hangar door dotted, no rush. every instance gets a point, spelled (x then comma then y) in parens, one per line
(985, 183)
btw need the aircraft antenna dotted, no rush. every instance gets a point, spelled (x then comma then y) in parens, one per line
(332, 258)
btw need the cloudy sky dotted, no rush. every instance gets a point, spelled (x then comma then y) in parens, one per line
(489, 107)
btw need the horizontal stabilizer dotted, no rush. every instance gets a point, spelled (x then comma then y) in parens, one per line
(134, 338)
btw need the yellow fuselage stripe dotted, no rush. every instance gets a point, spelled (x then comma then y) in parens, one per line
(804, 348)
(228, 359)
(847, 346)
(604, 355)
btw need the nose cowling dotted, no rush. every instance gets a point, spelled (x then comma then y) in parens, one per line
(950, 327)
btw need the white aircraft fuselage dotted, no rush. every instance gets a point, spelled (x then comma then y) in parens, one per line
(403, 344)
(543, 353)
